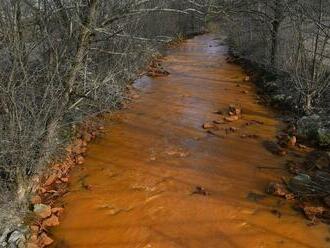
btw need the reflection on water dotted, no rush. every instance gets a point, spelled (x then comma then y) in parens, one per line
(155, 154)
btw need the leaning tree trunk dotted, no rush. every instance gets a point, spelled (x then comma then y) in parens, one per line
(82, 49)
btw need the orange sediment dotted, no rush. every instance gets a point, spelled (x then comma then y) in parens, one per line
(157, 178)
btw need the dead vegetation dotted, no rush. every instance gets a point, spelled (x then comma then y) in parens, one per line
(284, 47)
(53, 185)
(63, 61)
(306, 113)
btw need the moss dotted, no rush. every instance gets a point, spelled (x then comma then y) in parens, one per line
(278, 98)
(323, 137)
(310, 128)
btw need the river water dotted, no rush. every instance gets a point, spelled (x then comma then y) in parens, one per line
(142, 173)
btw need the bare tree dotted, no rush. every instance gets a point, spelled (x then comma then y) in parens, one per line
(288, 36)
(63, 60)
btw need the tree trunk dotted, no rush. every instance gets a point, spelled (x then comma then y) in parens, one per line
(308, 103)
(82, 49)
(274, 45)
(274, 34)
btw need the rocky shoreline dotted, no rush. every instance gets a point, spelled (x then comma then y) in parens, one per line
(275, 91)
(45, 212)
(306, 138)
(45, 209)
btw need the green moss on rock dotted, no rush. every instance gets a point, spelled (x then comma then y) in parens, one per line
(324, 137)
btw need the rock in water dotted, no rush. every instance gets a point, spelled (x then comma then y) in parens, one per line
(277, 189)
(231, 118)
(313, 212)
(233, 110)
(199, 190)
(208, 125)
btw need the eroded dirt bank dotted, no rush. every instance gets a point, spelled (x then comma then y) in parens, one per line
(158, 179)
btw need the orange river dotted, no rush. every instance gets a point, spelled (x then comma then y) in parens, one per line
(142, 173)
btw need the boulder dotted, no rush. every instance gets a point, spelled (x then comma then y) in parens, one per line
(35, 200)
(286, 140)
(44, 240)
(292, 141)
(50, 180)
(57, 211)
(51, 221)
(17, 238)
(34, 229)
(42, 211)
(80, 160)
(33, 238)
(3, 237)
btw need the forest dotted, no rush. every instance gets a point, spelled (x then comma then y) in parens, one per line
(65, 61)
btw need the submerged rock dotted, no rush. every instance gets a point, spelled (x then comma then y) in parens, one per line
(199, 190)
(255, 197)
(274, 148)
(208, 125)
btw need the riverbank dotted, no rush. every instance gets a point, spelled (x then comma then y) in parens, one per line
(306, 137)
(278, 91)
(41, 212)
